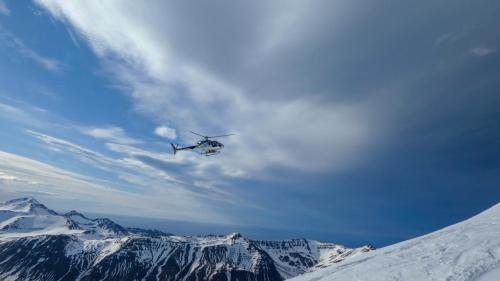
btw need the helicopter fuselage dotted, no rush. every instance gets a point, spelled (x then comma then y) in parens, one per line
(206, 146)
(209, 147)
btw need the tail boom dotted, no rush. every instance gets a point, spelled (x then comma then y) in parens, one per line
(177, 148)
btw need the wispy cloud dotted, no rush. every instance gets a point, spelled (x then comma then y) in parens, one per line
(62, 145)
(135, 169)
(5, 178)
(99, 160)
(19, 46)
(24, 114)
(131, 168)
(450, 37)
(111, 133)
(147, 171)
(20, 175)
(482, 51)
(8, 109)
(3, 8)
(73, 37)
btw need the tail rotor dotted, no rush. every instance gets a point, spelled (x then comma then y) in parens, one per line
(174, 148)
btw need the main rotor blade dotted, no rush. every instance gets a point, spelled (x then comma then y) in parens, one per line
(222, 136)
(198, 134)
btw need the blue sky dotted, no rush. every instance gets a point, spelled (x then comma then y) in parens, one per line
(355, 122)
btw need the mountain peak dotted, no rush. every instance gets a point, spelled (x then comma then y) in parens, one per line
(74, 213)
(235, 235)
(27, 205)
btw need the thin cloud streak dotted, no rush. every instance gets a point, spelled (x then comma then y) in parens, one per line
(111, 133)
(19, 46)
(3, 8)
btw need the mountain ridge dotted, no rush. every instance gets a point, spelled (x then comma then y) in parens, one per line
(37, 243)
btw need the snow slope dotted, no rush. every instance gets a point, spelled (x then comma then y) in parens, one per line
(27, 217)
(469, 250)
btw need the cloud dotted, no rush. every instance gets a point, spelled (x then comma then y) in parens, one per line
(71, 190)
(450, 37)
(130, 150)
(4, 9)
(9, 178)
(10, 110)
(113, 134)
(119, 167)
(140, 49)
(482, 51)
(324, 101)
(19, 46)
(305, 89)
(166, 132)
(22, 113)
(62, 145)
(141, 170)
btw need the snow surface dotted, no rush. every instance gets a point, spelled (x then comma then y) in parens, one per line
(466, 251)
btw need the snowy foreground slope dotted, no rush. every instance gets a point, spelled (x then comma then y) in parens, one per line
(37, 243)
(469, 250)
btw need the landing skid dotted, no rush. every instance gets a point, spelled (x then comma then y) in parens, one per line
(209, 153)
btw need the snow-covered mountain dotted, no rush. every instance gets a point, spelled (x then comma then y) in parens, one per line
(37, 243)
(466, 251)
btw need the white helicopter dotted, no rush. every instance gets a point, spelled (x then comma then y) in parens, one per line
(205, 147)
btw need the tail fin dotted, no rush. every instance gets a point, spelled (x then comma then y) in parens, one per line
(174, 148)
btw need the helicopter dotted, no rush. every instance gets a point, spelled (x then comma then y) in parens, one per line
(206, 146)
